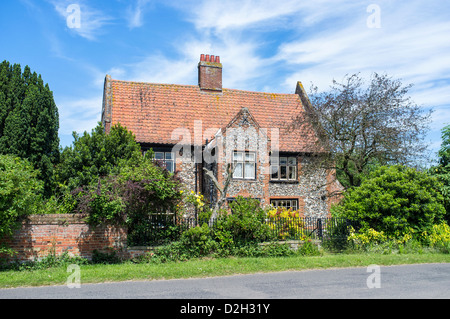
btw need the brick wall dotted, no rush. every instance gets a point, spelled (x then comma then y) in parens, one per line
(41, 235)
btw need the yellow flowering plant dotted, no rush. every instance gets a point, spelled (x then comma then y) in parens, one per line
(286, 223)
(198, 201)
(439, 236)
(366, 236)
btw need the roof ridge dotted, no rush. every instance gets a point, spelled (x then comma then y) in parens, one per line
(153, 83)
(196, 86)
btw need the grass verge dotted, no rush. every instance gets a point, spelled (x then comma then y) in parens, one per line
(207, 267)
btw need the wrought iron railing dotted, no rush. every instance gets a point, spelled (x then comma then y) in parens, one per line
(163, 228)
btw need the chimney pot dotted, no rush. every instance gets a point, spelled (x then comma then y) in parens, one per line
(217, 59)
(207, 58)
(202, 57)
(212, 59)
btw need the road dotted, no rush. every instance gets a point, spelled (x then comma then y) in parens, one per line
(424, 281)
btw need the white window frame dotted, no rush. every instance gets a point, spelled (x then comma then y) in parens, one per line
(244, 164)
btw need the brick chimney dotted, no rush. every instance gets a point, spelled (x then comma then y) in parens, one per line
(210, 73)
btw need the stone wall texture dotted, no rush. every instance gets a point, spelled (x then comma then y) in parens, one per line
(313, 185)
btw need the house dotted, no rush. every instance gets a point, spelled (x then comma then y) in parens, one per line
(194, 129)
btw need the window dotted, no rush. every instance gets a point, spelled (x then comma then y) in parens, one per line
(288, 203)
(283, 168)
(167, 158)
(244, 165)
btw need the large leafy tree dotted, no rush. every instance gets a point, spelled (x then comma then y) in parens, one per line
(29, 120)
(365, 124)
(95, 155)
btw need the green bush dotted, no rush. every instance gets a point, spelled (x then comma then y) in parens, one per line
(194, 243)
(439, 237)
(308, 248)
(147, 190)
(197, 241)
(101, 203)
(237, 234)
(394, 200)
(20, 193)
(246, 222)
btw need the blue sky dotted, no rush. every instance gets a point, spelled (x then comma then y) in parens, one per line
(264, 46)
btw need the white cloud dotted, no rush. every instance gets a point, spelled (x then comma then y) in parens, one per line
(265, 14)
(413, 45)
(135, 13)
(222, 15)
(158, 68)
(92, 20)
(241, 63)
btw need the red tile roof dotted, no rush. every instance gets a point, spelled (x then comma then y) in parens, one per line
(153, 111)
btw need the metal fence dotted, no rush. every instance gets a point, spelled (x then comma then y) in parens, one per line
(162, 228)
(309, 227)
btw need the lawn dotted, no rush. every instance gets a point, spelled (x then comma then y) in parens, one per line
(207, 267)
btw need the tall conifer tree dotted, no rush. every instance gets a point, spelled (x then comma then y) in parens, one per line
(29, 120)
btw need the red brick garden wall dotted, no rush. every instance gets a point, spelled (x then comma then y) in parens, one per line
(41, 235)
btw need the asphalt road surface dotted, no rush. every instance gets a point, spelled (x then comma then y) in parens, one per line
(424, 281)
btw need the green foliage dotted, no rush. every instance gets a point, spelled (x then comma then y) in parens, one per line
(308, 248)
(442, 170)
(96, 155)
(222, 233)
(29, 120)
(240, 234)
(147, 190)
(103, 204)
(161, 189)
(130, 197)
(337, 235)
(107, 177)
(241, 230)
(105, 257)
(393, 200)
(20, 192)
(198, 242)
(47, 262)
(372, 241)
(439, 237)
(246, 222)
